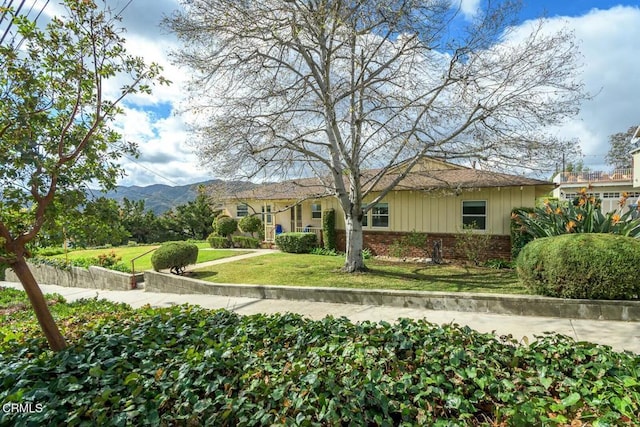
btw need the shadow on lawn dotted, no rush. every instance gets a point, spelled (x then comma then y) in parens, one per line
(460, 278)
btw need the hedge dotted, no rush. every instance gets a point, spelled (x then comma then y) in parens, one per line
(585, 265)
(175, 256)
(218, 242)
(296, 243)
(245, 242)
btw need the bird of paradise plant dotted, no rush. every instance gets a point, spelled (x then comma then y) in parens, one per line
(582, 216)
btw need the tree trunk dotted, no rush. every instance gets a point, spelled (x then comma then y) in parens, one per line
(39, 304)
(354, 261)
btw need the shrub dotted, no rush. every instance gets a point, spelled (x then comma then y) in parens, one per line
(471, 245)
(245, 242)
(175, 256)
(329, 229)
(109, 259)
(50, 251)
(594, 266)
(218, 242)
(325, 252)
(296, 243)
(401, 248)
(225, 226)
(250, 224)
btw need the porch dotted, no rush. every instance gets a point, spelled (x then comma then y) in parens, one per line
(281, 217)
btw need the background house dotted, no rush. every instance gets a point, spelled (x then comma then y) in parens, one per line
(606, 186)
(436, 198)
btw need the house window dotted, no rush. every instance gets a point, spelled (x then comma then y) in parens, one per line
(316, 211)
(474, 214)
(365, 217)
(611, 195)
(380, 215)
(267, 218)
(242, 210)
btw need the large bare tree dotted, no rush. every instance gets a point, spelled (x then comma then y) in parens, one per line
(292, 88)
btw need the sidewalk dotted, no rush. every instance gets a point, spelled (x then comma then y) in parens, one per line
(619, 335)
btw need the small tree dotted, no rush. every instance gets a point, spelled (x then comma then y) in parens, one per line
(54, 126)
(225, 226)
(250, 224)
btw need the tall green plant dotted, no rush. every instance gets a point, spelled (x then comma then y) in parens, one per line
(329, 229)
(581, 216)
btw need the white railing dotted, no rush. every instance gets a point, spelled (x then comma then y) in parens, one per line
(594, 176)
(308, 229)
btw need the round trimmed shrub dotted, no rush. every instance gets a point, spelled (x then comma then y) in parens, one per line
(296, 243)
(250, 224)
(175, 256)
(225, 226)
(583, 265)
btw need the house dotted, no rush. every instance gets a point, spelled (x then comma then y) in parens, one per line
(607, 186)
(437, 198)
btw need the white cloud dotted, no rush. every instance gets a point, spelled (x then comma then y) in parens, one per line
(470, 8)
(611, 73)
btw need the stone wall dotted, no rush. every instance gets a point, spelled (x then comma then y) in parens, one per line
(379, 241)
(78, 277)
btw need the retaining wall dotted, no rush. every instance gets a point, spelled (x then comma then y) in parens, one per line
(78, 277)
(522, 305)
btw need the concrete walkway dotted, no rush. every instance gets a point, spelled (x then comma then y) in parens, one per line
(619, 335)
(254, 253)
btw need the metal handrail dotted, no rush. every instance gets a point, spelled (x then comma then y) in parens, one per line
(134, 284)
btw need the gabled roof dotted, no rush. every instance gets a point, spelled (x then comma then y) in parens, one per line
(421, 178)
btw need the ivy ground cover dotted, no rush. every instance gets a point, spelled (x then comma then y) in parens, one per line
(189, 366)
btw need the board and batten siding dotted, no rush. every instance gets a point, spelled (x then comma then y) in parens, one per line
(422, 211)
(437, 213)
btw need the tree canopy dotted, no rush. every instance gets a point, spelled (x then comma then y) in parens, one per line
(620, 146)
(329, 88)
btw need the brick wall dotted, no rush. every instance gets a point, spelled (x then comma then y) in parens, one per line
(378, 242)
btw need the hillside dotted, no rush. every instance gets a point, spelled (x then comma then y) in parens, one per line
(159, 198)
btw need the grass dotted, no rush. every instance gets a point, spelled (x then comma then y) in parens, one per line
(127, 253)
(317, 270)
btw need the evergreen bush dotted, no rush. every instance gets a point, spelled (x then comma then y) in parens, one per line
(175, 256)
(586, 265)
(225, 226)
(329, 229)
(245, 242)
(218, 242)
(296, 243)
(250, 224)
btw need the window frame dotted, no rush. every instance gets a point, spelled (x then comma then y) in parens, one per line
(267, 215)
(484, 216)
(245, 210)
(375, 215)
(317, 212)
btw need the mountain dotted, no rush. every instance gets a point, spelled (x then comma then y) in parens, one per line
(159, 198)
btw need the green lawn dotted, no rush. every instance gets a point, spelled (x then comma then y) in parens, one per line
(144, 263)
(317, 270)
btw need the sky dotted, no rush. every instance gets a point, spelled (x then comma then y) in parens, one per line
(607, 32)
